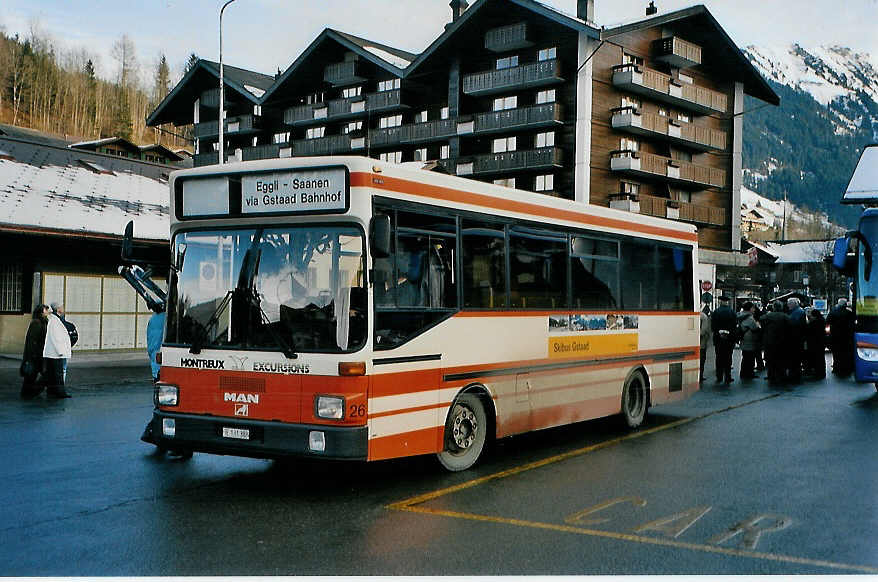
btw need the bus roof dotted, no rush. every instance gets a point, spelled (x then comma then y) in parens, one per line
(863, 185)
(444, 190)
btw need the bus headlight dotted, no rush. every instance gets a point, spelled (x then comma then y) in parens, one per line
(166, 395)
(331, 407)
(868, 354)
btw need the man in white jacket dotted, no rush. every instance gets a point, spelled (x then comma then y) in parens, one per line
(55, 354)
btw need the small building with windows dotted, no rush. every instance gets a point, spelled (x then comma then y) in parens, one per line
(62, 215)
(117, 146)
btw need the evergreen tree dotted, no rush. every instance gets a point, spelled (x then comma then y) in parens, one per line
(191, 62)
(162, 80)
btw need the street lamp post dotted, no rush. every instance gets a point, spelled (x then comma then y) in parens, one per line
(222, 102)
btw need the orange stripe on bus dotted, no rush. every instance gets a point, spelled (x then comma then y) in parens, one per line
(389, 183)
(418, 442)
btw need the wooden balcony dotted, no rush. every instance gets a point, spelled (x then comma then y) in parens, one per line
(339, 109)
(344, 73)
(239, 125)
(677, 52)
(267, 152)
(684, 174)
(210, 98)
(663, 88)
(323, 146)
(426, 132)
(680, 133)
(507, 38)
(533, 117)
(205, 159)
(666, 208)
(542, 158)
(522, 77)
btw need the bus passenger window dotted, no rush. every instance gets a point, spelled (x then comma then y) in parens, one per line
(484, 266)
(675, 279)
(538, 263)
(638, 275)
(595, 273)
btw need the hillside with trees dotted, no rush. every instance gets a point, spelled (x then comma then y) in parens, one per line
(58, 92)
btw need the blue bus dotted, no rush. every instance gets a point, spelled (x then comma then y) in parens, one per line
(853, 256)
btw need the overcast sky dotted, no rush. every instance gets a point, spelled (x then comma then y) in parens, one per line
(267, 35)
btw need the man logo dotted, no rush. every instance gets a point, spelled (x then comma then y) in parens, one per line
(242, 409)
(238, 362)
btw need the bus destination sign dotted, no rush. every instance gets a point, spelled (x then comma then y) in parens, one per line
(301, 191)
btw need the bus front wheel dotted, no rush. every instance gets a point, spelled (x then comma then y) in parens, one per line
(635, 400)
(465, 433)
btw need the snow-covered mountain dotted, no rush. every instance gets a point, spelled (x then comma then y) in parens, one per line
(806, 148)
(766, 219)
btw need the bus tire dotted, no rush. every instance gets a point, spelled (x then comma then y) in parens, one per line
(466, 431)
(635, 400)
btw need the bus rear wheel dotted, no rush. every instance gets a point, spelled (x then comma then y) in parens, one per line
(465, 433)
(635, 400)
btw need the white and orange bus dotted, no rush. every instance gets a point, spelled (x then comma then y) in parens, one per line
(346, 308)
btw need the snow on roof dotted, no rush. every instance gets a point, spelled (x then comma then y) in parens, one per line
(255, 90)
(395, 60)
(46, 187)
(809, 251)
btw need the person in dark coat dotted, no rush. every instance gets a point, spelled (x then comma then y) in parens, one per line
(723, 324)
(775, 334)
(841, 338)
(815, 344)
(32, 358)
(796, 341)
(750, 339)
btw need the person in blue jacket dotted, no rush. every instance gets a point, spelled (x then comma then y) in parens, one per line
(155, 331)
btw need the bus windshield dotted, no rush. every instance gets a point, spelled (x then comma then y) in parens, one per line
(867, 277)
(291, 289)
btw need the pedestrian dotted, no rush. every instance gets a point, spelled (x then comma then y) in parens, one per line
(723, 324)
(760, 361)
(775, 334)
(750, 341)
(796, 342)
(33, 379)
(815, 344)
(55, 353)
(155, 330)
(58, 310)
(841, 338)
(705, 338)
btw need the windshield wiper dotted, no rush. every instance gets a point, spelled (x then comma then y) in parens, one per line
(202, 336)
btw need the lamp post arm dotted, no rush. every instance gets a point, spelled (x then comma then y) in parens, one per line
(222, 102)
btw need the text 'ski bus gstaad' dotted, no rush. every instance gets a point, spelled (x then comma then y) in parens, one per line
(350, 309)
(853, 256)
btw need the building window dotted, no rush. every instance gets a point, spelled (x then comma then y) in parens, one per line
(11, 287)
(421, 116)
(352, 92)
(395, 157)
(254, 141)
(443, 114)
(503, 103)
(628, 144)
(629, 59)
(545, 140)
(684, 117)
(257, 110)
(281, 137)
(632, 188)
(630, 102)
(508, 182)
(352, 126)
(547, 96)
(545, 183)
(388, 85)
(444, 152)
(503, 144)
(315, 132)
(507, 62)
(391, 121)
(314, 98)
(421, 155)
(662, 111)
(547, 53)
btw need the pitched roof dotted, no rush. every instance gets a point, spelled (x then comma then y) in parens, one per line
(96, 143)
(66, 191)
(386, 57)
(806, 251)
(706, 31)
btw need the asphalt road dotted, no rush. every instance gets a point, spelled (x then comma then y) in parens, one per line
(744, 480)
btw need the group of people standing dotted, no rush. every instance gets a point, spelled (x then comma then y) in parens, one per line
(787, 341)
(47, 347)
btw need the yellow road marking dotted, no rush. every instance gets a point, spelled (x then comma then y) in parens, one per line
(411, 504)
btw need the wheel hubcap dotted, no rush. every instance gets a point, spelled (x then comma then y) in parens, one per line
(464, 427)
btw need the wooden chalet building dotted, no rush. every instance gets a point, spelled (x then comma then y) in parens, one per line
(644, 116)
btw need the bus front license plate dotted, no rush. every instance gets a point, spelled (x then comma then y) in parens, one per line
(236, 433)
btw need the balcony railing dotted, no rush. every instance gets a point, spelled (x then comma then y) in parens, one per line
(205, 159)
(341, 108)
(210, 98)
(677, 52)
(661, 87)
(507, 38)
(676, 171)
(321, 146)
(666, 208)
(344, 73)
(267, 152)
(239, 125)
(544, 115)
(414, 133)
(510, 161)
(630, 120)
(530, 75)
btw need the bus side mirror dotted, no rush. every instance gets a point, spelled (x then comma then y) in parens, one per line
(128, 241)
(840, 260)
(379, 236)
